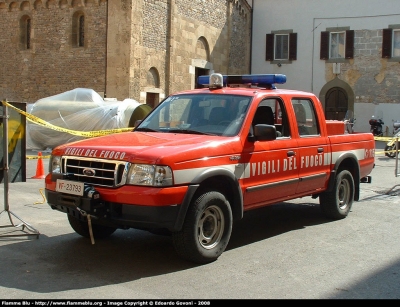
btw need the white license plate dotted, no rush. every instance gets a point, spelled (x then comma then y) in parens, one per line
(70, 187)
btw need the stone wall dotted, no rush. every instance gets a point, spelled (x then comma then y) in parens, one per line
(132, 47)
(368, 70)
(373, 70)
(52, 65)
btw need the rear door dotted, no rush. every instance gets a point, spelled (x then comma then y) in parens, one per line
(314, 155)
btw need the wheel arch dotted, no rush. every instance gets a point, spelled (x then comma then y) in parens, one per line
(218, 179)
(349, 162)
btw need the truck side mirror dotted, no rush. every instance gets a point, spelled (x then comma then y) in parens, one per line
(262, 132)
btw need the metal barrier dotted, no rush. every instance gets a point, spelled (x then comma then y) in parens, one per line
(16, 145)
(396, 168)
(22, 228)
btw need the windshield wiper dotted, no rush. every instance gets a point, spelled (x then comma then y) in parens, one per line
(190, 131)
(145, 129)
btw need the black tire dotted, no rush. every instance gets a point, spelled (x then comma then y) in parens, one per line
(82, 228)
(390, 151)
(336, 204)
(206, 230)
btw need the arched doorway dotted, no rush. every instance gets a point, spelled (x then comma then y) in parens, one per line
(337, 97)
(336, 104)
(201, 63)
(153, 87)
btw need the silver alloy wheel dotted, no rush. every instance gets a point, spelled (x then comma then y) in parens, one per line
(210, 227)
(344, 192)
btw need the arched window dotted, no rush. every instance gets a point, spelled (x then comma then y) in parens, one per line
(81, 34)
(25, 32)
(78, 29)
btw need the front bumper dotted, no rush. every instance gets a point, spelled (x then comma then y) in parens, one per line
(112, 214)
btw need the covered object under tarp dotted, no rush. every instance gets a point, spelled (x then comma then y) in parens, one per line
(80, 109)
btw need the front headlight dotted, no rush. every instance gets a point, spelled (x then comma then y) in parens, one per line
(55, 164)
(150, 175)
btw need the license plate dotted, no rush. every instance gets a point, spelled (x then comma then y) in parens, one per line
(70, 187)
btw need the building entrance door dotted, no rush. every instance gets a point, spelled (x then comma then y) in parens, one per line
(336, 103)
(152, 99)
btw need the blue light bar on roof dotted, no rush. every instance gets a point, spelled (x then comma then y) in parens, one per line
(262, 80)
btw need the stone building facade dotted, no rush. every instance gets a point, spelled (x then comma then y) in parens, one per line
(138, 49)
(348, 54)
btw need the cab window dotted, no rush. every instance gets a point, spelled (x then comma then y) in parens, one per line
(305, 116)
(272, 112)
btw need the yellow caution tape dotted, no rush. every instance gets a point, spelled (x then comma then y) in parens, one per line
(87, 134)
(90, 134)
(384, 138)
(37, 157)
(44, 197)
(383, 152)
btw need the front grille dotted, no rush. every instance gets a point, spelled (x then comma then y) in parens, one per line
(98, 172)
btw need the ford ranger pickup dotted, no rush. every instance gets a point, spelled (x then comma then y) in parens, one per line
(203, 157)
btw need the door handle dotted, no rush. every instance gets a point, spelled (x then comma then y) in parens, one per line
(291, 153)
(320, 149)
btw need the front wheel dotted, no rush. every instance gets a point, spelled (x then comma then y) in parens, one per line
(206, 230)
(390, 151)
(82, 228)
(336, 204)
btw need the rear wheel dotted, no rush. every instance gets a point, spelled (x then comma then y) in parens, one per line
(82, 228)
(336, 204)
(206, 230)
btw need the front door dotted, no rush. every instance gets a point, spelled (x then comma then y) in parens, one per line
(272, 166)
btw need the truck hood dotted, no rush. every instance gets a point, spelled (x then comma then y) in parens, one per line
(149, 147)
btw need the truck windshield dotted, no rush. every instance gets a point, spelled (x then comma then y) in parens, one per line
(215, 114)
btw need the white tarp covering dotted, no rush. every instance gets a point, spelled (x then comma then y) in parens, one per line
(80, 109)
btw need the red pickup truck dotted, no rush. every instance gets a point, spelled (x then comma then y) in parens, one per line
(204, 157)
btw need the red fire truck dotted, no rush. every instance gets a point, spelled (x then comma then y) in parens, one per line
(204, 157)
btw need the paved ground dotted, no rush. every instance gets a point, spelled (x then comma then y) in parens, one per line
(287, 251)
